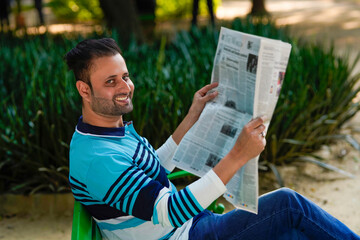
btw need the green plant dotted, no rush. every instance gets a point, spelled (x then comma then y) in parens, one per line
(76, 10)
(40, 108)
(179, 9)
(91, 10)
(311, 116)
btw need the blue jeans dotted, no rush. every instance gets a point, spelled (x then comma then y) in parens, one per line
(283, 215)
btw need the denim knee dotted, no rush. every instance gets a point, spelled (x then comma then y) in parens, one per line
(294, 201)
(284, 193)
(287, 196)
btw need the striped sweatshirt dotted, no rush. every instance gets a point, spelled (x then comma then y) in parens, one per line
(122, 181)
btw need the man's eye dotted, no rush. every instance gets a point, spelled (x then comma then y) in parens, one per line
(110, 81)
(125, 78)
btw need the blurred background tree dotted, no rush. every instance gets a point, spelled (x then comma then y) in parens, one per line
(131, 19)
(123, 16)
(80, 10)
(258, 8)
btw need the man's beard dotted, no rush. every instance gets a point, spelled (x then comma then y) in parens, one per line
(108, 107)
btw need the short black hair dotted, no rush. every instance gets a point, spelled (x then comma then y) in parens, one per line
(79, 59)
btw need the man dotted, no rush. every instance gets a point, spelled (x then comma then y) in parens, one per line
(121, 180)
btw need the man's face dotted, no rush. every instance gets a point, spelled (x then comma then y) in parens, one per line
(112, 89)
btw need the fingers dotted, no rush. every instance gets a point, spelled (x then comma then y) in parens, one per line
(203, 94)
(255, 123)
(207, 88)
(210, 96)
(250, 142)
(260, 129)
(264, 143)
(256, 128)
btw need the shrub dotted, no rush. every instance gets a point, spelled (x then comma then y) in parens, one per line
(39, 109)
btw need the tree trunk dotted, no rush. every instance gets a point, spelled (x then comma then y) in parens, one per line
(122, 16)
(258, 8)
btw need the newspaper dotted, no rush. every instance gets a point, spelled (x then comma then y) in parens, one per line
(250, 71)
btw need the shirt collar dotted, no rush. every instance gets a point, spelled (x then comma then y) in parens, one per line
(88, 129)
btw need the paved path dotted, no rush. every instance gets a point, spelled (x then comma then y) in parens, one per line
(315, 19)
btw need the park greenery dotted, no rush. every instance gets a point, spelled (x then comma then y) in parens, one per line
(81, 10)
(40, 104)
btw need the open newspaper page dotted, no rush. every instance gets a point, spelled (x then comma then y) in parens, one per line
(250, 70)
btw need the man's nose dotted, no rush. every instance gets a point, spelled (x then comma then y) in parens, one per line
(124, 85)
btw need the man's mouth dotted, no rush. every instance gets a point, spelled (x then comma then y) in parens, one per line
(122, 98)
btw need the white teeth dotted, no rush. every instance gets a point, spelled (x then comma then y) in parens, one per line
(121, 98)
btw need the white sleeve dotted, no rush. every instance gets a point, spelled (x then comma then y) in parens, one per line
(166, 153)
(201, 194)
(208, 188)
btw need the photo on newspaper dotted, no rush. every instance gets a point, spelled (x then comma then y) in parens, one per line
(250, 71)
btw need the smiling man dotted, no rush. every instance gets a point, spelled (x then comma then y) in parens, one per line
(122, 180)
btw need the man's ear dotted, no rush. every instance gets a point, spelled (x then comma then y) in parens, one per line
(84, 90)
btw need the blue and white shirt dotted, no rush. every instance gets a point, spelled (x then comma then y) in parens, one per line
(122, 181)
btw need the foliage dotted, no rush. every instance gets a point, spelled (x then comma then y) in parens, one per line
(76, 10)
(310, 116)
(41, 106)
(90, 9)
(178, 9)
